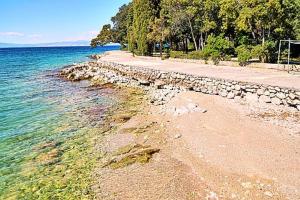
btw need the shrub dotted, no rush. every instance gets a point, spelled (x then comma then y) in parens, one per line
(195, 55)
(206, 53)
(216, 56)
(178, 54)
(244, 54)
(265, 52)
(218, 48)
(258, 51)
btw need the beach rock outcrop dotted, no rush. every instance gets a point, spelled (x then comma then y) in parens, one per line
(164, 85)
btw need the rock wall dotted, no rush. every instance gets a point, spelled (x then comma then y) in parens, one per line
(118, 73)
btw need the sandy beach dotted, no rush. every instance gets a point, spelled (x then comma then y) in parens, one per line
(220, 154)
(196, 146)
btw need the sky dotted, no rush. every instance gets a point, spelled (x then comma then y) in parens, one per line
(43, 21)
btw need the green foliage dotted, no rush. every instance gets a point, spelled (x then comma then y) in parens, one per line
(144, 13)
(196, 55)
(265, 52)
(217, 48)
(244, 54)
(104, 37)
(120, 21)
(178, 54)
(188, 25)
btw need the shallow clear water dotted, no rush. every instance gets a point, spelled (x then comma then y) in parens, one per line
(45, 123)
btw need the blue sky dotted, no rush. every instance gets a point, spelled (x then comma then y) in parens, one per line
(39, 21)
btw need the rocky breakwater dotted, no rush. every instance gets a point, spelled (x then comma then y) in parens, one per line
(163, 85)
(100, 74)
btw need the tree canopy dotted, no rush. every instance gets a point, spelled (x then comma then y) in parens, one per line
(252, 25)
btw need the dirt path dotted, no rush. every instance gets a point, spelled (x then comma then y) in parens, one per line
(216, 151)
(262, 76)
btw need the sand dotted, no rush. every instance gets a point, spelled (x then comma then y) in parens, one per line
(217, 151)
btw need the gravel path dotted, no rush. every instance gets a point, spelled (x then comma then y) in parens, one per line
(254, 75)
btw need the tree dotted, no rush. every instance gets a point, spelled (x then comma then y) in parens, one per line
(105, 36)
(120, 21)
(158, 33)
(217, 47)
(187, 25)
(142, 16)
(259, 17)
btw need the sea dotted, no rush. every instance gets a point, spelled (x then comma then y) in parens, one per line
(46, 124)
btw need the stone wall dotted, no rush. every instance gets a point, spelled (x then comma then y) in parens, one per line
(230, 89)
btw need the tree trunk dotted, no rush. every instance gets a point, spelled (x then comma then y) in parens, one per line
(263, 36)
(192, 31)
(186, 48)
(160, 48)
(202, 42)
(252, 31)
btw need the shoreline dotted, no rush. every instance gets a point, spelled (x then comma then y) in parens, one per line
(127, 74)
(204, 155)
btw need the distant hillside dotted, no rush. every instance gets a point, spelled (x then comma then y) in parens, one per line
(54, 44)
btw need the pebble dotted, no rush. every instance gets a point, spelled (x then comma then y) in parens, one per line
(212, 196)
(268, 193)
(177, 136)
(247, 185)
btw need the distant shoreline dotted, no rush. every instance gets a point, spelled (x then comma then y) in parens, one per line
(54, 46)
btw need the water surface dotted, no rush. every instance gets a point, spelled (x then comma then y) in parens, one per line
(46, 124)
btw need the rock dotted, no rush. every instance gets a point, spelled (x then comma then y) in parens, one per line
(260, 91)
(251, 98)
(280, 95)
(264, 99)
(298, 107)
(159, 84)
(296, 102)
(268, 193)
(195, 108)
(170, 83)
(276, 101)
(212, 196)
(230, 95)
(292, 96)
(267, 93)
(237, 87)
(237, 98)
(95, 56)
(177, 136)
(192, 106)
(146, 137)
(277, 89)
(144, 82)
(223, 93)
(181, 111)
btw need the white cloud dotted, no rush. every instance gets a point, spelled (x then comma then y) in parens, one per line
(35, 36)
(12, 34)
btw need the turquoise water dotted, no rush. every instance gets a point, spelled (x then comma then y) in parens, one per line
(45, 123)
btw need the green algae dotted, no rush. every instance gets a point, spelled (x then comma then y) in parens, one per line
(61, 168)
(139, 130)
(130, 154)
